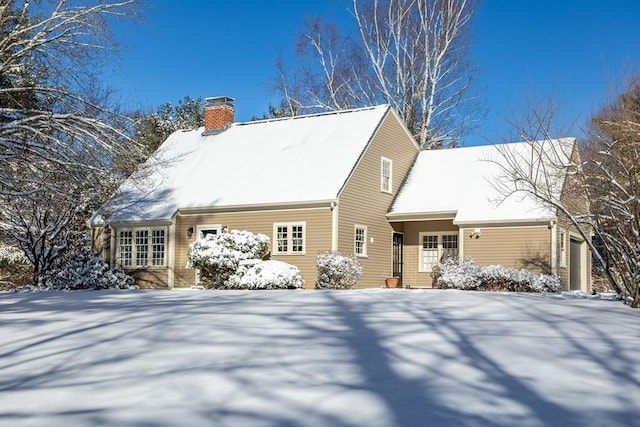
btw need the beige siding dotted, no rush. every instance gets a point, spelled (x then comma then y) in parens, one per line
(150, 278)
(519, 247)
(317, 235)
(100, 242)
(412, 275)
(574, 197)
(362, 201)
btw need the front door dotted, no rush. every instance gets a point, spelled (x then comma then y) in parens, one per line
(398, 245)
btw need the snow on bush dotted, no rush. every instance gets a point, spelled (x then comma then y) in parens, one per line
(271, 274)
(15, 268)
(10, 255)
(87, 270)
(337, 271)
(218, 256)
(467, 275)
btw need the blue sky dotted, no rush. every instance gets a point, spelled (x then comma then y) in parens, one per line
(570, 50)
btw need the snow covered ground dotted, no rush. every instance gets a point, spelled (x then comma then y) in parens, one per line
(317, 358)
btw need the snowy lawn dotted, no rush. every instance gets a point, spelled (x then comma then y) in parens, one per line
(317, 358)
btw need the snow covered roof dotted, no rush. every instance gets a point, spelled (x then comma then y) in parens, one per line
(283, 161)
(464, 184)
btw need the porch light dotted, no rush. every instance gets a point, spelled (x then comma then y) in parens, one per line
(189, 232)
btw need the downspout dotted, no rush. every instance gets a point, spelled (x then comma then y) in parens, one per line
(171, 251)
(553, 226)
(334, 226)
(112, 248)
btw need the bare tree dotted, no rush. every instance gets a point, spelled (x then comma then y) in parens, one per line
(598, 193)
(411, 54)
(59, 131)
(612, 169)
(49, 224)
(51, 103)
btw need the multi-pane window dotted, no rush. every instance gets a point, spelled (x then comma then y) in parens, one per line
(282, 239)
(436, 248)
(205, 231)
(125, 247)
(157, 247)
(429, 251)
(449, 247)
(297, 239)
(360, 240)
(386, 171)
(289, 238)
(142, 247)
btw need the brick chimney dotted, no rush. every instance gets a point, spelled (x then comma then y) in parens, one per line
(218, 114)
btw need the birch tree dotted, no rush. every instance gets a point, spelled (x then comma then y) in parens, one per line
(613, 181)
(411, 54)
(598, 192)
(59, 132)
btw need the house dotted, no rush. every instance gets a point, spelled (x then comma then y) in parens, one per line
(463, 202)
(311, 183)
(352, 181)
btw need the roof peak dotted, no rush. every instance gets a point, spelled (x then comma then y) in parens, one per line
(306, 116)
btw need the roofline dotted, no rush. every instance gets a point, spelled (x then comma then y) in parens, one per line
(406, 130)
(311, 204)
(510, 222)
(364, 150)
(138, 223)
(304, 116)
(450, 215)
(422, 216)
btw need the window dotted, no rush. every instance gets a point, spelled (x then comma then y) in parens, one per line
(289, 239)
(436, 248)
(360, 241)
(142, 247)
(125, 247)
(563, 249)
(208, 230)
(386, 172)
(157, 247)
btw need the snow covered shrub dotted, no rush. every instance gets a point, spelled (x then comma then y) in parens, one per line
(271, 274)
(467, 275)
(10, 255)
(337, 271)
(218, 256)
(15, 269)
(454, 274)
(88, 270)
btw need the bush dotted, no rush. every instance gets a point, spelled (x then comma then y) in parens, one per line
(218, 257)
(15, 268)
(337, 271)
(87, 270)
(258, 274)
(466, 275)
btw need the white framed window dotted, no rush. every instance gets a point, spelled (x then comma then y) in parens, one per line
(435, 248)
(208, 230)
(563, 249)
(289, 238)
(386, 174)
(360, 240)
(142, 247)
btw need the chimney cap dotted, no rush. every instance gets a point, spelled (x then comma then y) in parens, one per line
(219, 100)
